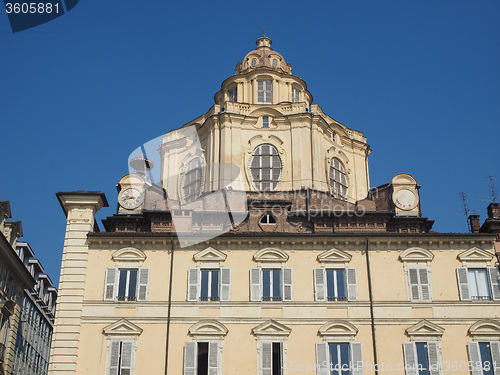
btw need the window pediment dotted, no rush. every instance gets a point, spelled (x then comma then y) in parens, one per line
(416, 254)
(270, 255)
(335, 256)
(487, 329)
(210, 255)
(271, 328)
(208, 328)
(425, 330)
(129, 254)
(338, 330)
(476, 254)
(122, 327)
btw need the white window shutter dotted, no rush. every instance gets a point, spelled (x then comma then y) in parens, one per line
(495, 356)
(260, 91)
(287, 284)
(255, 284)
(410, 353)
(142, 284)
(213, 358)
(111, 282)
(190, 358)
(495, 283)
(127, 358)
(322, 358)
(433, 351)
(352, 289)
(114, 354)
(463, 283)
(225, 284)
(413, 284)
(356, 358)
(425, 285)
(475, 358)
(319, 284)
(266, 356)
(193, 282)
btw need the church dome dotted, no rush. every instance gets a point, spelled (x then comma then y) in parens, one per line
(263, 57)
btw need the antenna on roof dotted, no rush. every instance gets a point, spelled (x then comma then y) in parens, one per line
(492, 185)
(466, 210)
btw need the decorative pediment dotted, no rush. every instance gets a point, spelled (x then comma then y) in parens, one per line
(335, 256)
(425, 330)
(270, 255)
(129, 254)
(208, 328)
(416, 254)
(271, 328)
(338, 330)
(487, 329)
(210, 255)
(122, 328)
(476, 255)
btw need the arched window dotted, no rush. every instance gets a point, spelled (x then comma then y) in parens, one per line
(338, 180)
(192, 181)
(268, 218)
(266, 167)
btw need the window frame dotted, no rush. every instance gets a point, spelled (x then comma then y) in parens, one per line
(112, 279)
(338, 188)
(194, 286)
(119, 359)
(265, 91)
(464, 285)
(232, 94)
(257, 284)
(192, 180)
(256, 172)
(296, 94)
(321, 284)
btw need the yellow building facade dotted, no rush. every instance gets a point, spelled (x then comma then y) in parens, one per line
(260, 248)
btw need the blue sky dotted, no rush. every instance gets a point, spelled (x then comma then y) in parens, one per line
(78, 94)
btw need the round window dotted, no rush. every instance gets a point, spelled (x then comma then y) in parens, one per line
(274, 63)
(253, 62)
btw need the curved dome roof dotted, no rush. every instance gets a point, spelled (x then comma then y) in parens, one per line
(263, 57)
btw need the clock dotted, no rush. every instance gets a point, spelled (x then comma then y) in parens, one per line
(405, 199)
(130, 198)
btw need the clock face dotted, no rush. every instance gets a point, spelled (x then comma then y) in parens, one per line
(130, 198)
(405, 199)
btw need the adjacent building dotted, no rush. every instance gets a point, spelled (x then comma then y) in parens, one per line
(27, 303)
(31, 354)
(249, 241)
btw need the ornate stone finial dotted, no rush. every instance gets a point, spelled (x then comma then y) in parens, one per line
(263, 31)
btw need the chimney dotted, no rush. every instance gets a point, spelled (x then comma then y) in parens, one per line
(474, 223)
(494, 211)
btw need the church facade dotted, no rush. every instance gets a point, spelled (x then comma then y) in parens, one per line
(249, 241)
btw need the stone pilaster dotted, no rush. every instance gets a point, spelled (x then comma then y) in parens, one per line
(80, 209)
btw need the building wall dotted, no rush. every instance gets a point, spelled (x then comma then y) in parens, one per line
(394, 313)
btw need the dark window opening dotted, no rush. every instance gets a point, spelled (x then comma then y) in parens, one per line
(276, 358)
(202, 358)
(268, 218)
